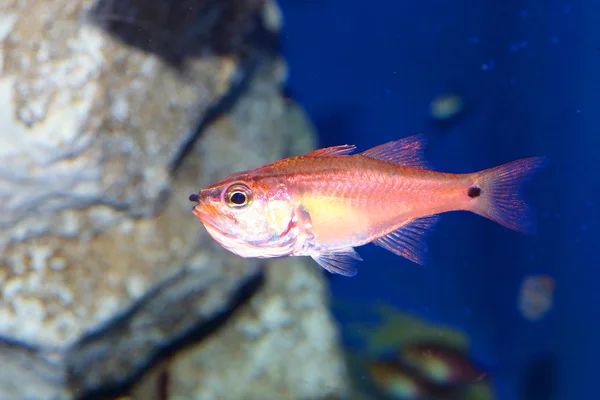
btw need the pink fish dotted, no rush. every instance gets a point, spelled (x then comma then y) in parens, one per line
(327, 202)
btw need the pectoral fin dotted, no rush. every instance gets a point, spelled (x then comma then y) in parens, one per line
(341, 262)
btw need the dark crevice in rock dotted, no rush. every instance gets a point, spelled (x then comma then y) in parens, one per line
(91, 376)
(246, 71)
(177, 30)
(211, 114)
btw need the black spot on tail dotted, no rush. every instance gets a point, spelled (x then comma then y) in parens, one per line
(474, 191)
(195, 197)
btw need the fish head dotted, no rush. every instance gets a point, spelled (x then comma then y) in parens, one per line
(427, 360)
(395, 380)
(442, 364)
(247, 217)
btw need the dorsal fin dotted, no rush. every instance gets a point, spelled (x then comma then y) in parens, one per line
(333, 151)
(407, 152)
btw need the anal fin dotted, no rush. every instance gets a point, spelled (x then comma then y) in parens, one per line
(341, 262)
(409, 240)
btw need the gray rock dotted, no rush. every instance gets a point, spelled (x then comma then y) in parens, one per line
(283, 344)
(104, 270)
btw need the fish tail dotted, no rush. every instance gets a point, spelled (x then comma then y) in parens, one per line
(496, 193)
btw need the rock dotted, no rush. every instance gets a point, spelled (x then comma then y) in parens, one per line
(104, 270)
(279, 346)
(90, 217)
(177, 30)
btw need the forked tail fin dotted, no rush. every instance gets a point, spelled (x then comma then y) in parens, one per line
(496, 193)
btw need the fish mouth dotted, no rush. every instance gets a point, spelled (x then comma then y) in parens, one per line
(214, 230)
(207, 214)
(201, 209)
(204, 216)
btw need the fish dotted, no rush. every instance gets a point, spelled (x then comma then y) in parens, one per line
(326, 203)
(442, 364)
(536, 296)
(398, 381)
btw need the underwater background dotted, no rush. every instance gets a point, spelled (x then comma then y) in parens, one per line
(117, 116)
(526, 72)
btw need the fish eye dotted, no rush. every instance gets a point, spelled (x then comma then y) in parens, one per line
(238, 196)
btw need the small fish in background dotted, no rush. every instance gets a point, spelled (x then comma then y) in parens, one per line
(378, 334)
(400, 382)
(395, 381)
(329, 201)
(442, 364)
(536, 296)
(446, 107)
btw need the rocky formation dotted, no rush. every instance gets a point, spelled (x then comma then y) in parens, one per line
(104, 271)
(278, 346)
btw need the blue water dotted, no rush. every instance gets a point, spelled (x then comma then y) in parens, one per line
(365, 72)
